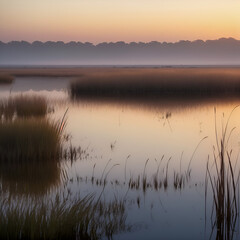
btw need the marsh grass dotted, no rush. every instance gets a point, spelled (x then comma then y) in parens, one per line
(160, 179)
(224, 196)
(224, 183)
(199, 84)
(66, 218)
(27, 140)
(178, 180)
(30, 106)
(6, 79)
(23, 107)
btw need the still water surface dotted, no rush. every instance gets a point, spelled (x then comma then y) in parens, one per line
(133, 139)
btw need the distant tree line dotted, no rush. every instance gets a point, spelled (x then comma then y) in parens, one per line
(221, 51)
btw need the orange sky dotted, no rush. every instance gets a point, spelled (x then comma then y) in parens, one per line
(118, 20)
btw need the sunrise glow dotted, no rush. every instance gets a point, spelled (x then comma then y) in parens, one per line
(126, 20)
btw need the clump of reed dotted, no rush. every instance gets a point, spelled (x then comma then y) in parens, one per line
(178, 180)
(30, 145)
(61, 218)
(176, 83)
(30, 106)
(160, 179)
(72, 153)
(6, 79)
(224, 183)
(33, 139)
(24, 107)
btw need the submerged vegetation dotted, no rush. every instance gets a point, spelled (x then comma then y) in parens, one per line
(6, 79)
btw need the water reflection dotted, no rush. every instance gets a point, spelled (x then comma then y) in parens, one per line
(29, 178)
(157, 194)
(52, 88)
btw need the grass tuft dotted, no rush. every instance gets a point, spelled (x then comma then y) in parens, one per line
(27, 140)
(23, 107)
(30, 106)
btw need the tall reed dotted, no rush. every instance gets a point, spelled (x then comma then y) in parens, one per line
(223, 182)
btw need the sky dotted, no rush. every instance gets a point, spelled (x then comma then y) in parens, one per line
(118, 20)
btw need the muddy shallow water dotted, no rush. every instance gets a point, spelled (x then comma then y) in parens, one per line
(123, 141)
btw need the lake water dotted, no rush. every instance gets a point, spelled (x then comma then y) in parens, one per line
(123, 141)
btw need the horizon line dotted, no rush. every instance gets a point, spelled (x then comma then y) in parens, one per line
(121, 41)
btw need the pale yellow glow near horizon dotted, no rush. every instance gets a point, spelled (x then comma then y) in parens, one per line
(118, 20)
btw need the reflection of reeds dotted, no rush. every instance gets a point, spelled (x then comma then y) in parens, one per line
(6, 79)
(61, 219)
(29, 177)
